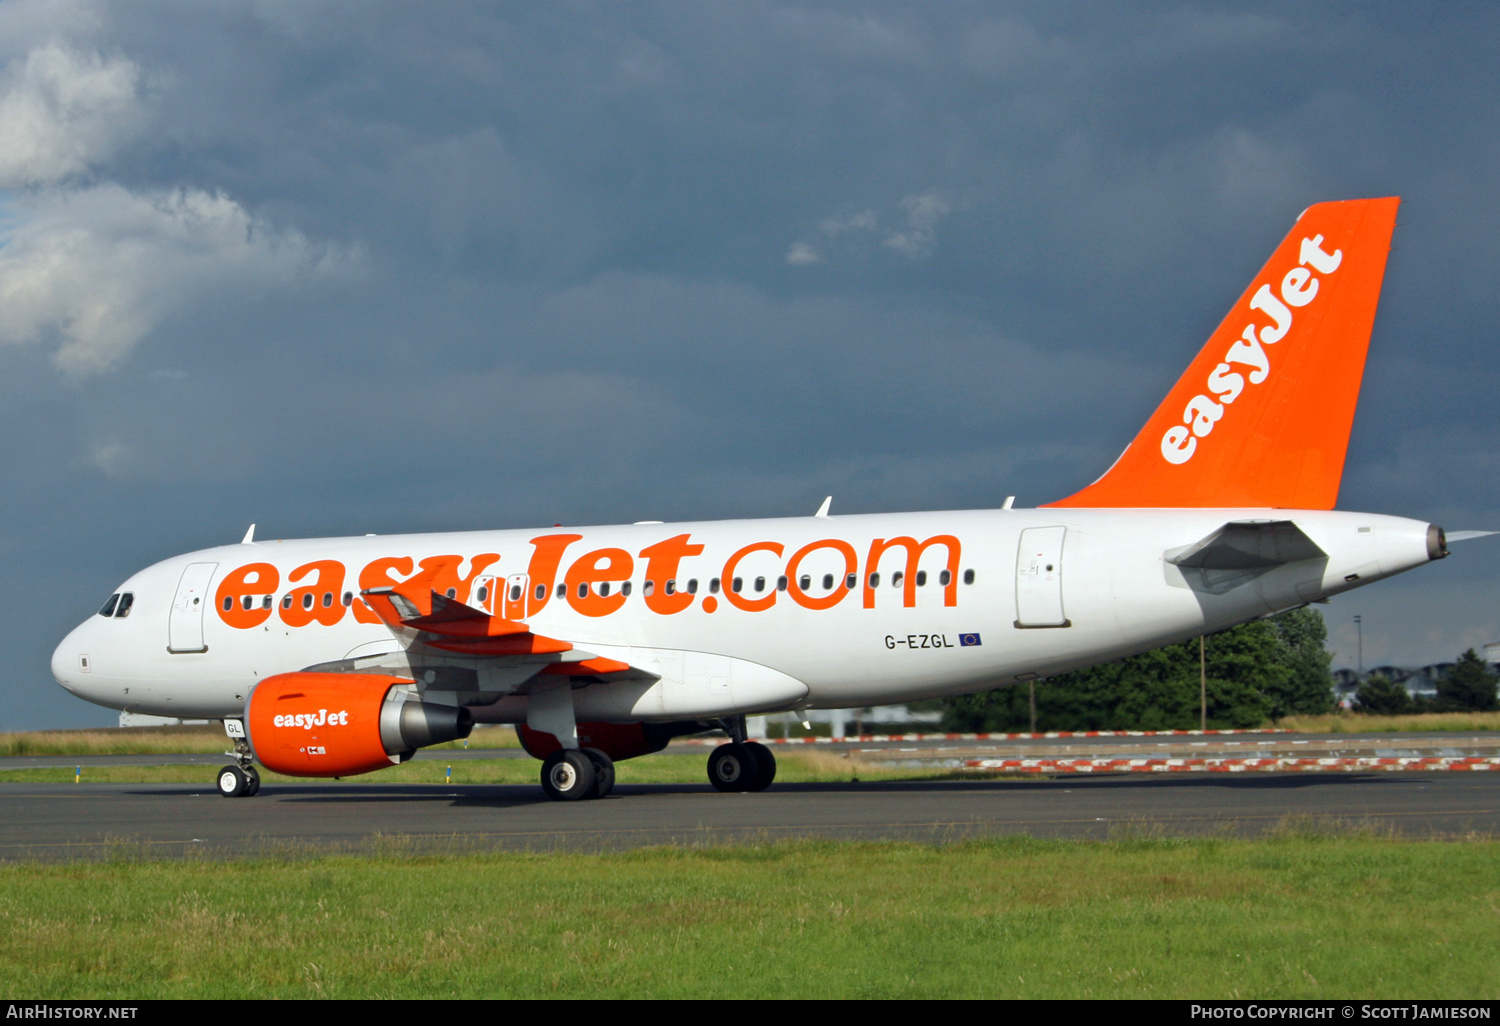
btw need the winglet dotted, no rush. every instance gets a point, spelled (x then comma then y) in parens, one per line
(249, 538)
(823, 509)
(1261, 417)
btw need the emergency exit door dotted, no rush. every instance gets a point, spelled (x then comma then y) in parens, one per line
(185, 625)
(482, 593)
(1039, 577)
(516, 588)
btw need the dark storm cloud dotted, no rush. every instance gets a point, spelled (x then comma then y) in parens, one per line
(373, 267)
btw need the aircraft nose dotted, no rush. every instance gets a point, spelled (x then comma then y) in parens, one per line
(70, 660)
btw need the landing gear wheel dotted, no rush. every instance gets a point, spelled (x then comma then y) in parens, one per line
(252, 782)
(604, 772)
(732, 767)
(233, 782)
(765, 766)
(568, 775)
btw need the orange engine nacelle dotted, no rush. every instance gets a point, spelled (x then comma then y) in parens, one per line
(341, 724)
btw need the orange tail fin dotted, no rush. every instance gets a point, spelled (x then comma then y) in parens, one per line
(1262, 416)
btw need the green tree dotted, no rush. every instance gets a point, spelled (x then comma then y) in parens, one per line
(1255, 671)
(1308, 690)
(1468, 686)
(1379, 695)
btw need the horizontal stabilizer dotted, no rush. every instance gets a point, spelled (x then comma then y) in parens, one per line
(1458, 536)
(1249, 545)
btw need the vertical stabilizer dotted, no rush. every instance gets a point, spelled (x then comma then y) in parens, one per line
(1262, 415)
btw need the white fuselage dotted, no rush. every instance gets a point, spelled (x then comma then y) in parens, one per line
(993, 607)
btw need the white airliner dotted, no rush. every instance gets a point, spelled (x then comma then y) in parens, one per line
(336, 656)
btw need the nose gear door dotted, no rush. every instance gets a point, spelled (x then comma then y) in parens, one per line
(185, 623)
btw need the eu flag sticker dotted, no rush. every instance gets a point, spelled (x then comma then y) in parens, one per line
(965, 640)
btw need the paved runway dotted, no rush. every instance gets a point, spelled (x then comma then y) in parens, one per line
(67, 821)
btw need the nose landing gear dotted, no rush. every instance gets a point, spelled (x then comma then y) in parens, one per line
(239, 780)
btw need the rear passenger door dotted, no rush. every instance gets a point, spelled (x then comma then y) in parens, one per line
(1039, 577)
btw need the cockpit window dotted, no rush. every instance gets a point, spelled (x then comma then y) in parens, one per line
(109, 607)
(127, 599)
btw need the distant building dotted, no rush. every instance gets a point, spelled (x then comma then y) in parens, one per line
(888, 718)
(1420, 682)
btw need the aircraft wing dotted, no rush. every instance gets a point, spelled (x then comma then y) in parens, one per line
(425, 619)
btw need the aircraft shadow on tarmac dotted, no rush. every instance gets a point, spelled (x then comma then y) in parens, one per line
(514, 795)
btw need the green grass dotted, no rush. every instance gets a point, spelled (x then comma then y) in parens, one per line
(179, 740)
(792, 767)
(1365, 723)
(1287, 917)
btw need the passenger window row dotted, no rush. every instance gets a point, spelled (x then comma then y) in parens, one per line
(248, 602)
(737, 585)
(119, 604)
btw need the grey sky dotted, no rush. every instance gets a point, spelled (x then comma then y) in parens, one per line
(348, 267)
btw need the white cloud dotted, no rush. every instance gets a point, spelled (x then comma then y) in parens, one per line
(111, 456)
(92, 271)
(62, 111)
(919, 237)
(801, 253)
(915, 238)
(836, 226)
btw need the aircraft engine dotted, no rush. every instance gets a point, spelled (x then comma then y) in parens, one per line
(341, 724)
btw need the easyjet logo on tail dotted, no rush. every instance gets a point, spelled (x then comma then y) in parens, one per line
(1299, 287)
(1278, 380)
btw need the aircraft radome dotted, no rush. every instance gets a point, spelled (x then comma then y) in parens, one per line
(337, 656)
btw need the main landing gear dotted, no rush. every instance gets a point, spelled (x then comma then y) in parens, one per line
(239, 780)
(740, 765)
(573, 774)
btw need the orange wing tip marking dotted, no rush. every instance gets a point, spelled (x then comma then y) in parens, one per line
(452, 626)
(597, 665)
(446, 617)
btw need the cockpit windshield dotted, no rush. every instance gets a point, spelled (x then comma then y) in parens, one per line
(127, 599)
(109, 607)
